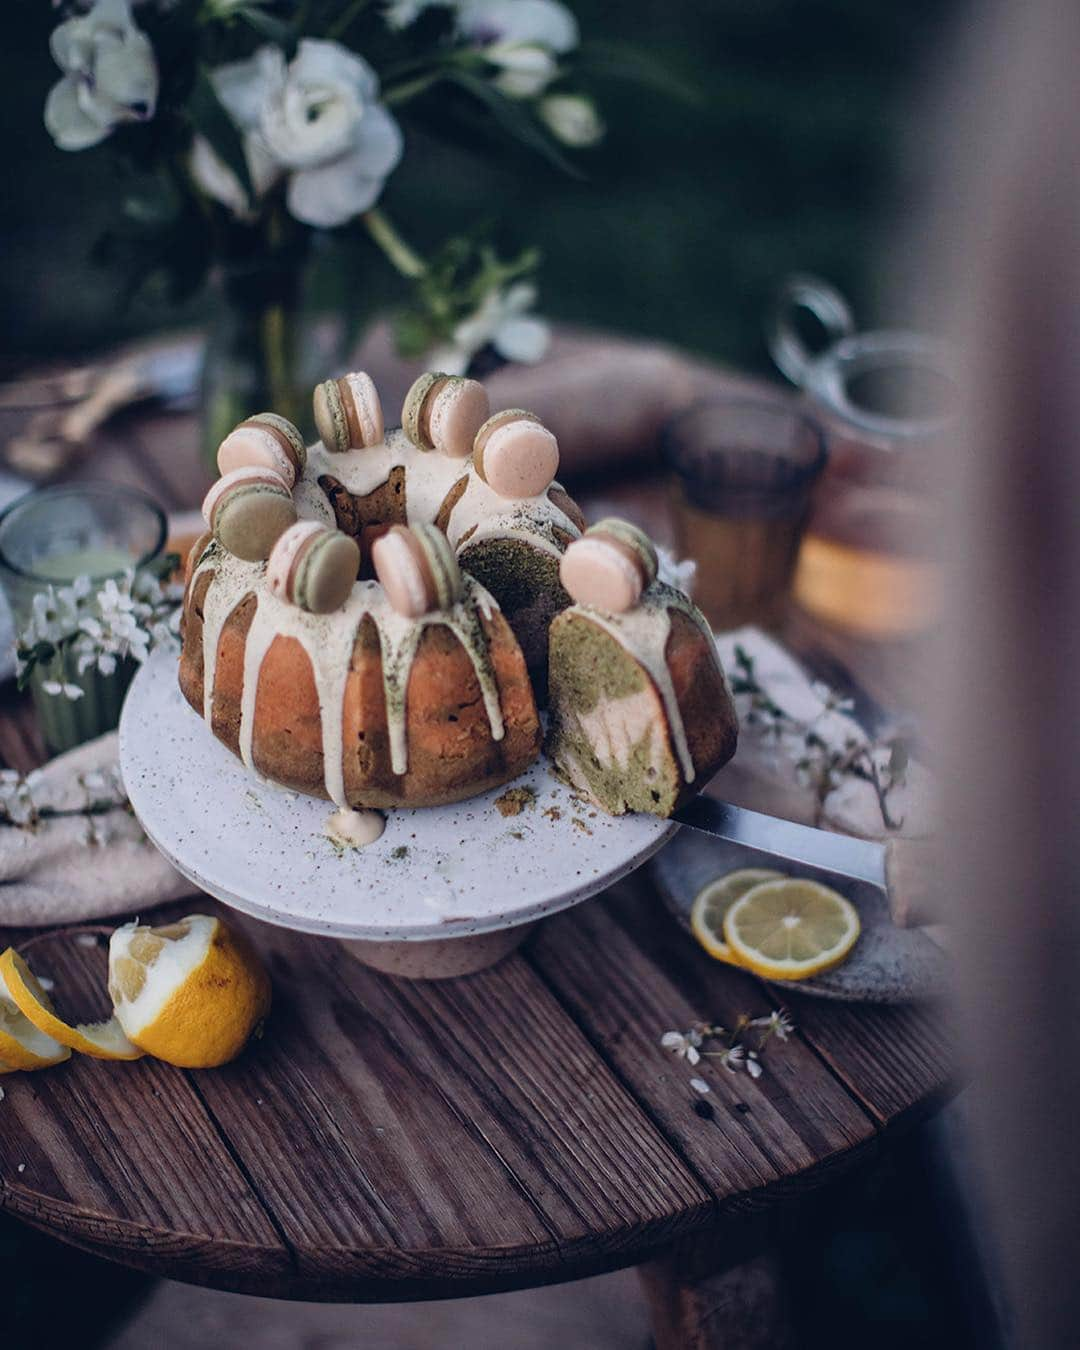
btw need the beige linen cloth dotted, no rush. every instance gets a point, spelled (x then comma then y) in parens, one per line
(61, 861)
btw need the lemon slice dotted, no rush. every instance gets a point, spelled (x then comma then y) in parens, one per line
(101, 1040)
(714, 901)
(190, 992)
(22, 1045)
(791, 929)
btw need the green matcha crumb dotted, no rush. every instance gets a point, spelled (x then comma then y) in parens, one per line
(402, 851)
(514, 801)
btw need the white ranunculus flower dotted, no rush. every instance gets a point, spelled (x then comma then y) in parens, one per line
(316, 122)
(573, 119)
(110, 76)
(502, 320)
(521, 37)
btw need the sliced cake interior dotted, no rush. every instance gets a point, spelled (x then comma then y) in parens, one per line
(641, 716)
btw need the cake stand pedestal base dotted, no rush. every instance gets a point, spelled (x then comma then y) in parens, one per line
(440, 958)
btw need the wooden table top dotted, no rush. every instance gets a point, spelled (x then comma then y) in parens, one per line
(390, 1140)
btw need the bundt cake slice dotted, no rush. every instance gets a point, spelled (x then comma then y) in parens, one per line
(641, 715)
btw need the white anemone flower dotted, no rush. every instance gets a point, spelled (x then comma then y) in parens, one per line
(522, 38)
(110, 76)
(315, 121)
(503, 321)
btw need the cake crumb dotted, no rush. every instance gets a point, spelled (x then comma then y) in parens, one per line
(553, 813)
(514, 801)
(580, 824)
(402, 851)
(516, 834)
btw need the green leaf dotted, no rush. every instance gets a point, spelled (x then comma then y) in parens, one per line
(515, 118)
(267, 26)
(211, 119)
(614, 61)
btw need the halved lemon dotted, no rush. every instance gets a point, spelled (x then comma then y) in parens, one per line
(712, 903)
(22, 1045)
(190, 993)
(791, 929)
(101, 1040)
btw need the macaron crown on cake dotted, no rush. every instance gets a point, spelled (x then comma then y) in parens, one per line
(369, 618)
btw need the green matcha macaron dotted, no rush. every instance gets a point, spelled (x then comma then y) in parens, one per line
(313, 567)
(248, 510)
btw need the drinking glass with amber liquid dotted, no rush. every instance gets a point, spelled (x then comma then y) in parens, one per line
(742, 474)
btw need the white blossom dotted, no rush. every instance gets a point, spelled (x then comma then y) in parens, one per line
(73, 692)
(731, 1058)
(573, 119)
(522, 38)
(316, 122)
(110, 76)
(502, 320)
(777, 1024)
(683, 1044)
(700, 1085)
(753, 1065)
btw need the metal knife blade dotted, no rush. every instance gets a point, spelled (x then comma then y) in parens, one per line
(858, 859)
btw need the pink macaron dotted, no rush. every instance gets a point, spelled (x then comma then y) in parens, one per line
(609, 567)
(515, 454)
(348, 413)
(264, 441)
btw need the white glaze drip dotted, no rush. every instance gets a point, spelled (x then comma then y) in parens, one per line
(354, 829)
(328, 641)
(643, 632)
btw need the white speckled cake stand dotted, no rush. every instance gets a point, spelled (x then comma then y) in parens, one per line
(445, 891)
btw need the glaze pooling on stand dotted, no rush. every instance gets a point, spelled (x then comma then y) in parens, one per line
(478, 514)
(643, 633)
(328, 641)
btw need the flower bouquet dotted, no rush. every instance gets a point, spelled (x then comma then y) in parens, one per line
(248, 129)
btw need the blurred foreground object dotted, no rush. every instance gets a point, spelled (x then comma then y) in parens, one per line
(1008, 664)
(887, 399)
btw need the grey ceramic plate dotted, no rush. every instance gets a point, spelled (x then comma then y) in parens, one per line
(887, 965)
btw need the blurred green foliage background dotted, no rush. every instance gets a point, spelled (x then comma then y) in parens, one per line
(793, 157)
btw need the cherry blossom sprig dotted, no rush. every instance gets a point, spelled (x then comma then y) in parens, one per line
(740, 1047)
(126, 617)
(819, 765)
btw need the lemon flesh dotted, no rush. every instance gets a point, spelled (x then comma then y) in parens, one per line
(100, 1040)
(190, 993)
(712, 903)
(791, 929)
(22, 1045)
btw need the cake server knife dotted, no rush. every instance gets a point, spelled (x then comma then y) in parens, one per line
(900, 868)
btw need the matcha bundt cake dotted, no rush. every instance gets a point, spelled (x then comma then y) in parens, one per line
(370, 619)
(307, 668)
(641, 715)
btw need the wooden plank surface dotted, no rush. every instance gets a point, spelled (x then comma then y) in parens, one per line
(390, 1140)
(412, 1136)
(628, 974)
(123, 1158)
